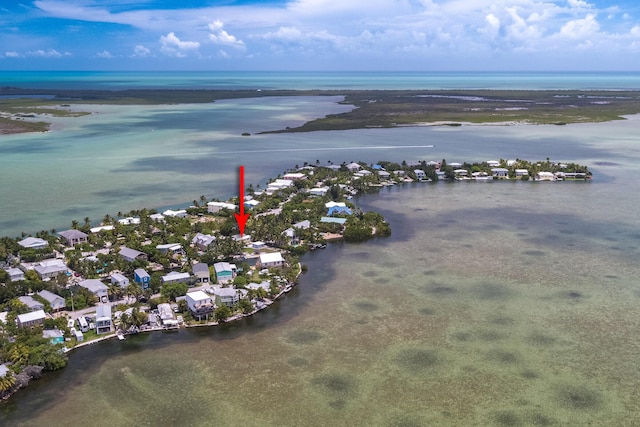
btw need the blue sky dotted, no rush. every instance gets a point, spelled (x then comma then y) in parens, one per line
(410, 35)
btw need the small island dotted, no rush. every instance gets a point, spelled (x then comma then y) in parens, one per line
(144, 271)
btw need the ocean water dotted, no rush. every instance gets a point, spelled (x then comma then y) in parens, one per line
(320, 80)
(492, 304)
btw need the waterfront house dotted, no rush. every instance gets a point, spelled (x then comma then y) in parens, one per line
(103, 319)
(74, 237)
(333, 220)
(461, 172)
(521, 172)
(181, 213)
(120, 280)
(225, 272)
(33, 318)
(131, 254)
(337, 208)
(203, 241)
(31, 303)
(141, 276)
(129, 221)
(200, 304)
(493, 163)
(101, 228)
(167, 317)
(56, 301)
(511, 163)
(96, 287)
(15, 274)
(176, 277)
(271, 259)
(33, 243)
(420, 175)
(226, 296)
(354, 166)
(50, 268)
(500, 172)
(157, 217)
(384, 174)
(213, 207)
(78, 335)
(545, 176)
(291, 237)
(294, 176)
(201, 272)
(55, 336)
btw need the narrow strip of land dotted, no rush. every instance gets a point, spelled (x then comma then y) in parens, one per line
(25, 110)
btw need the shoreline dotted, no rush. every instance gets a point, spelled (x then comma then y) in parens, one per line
(342, 220)
(371, 108)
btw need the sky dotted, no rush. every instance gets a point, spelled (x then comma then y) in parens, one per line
(321, 35)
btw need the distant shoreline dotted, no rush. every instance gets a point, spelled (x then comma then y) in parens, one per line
(372, 108)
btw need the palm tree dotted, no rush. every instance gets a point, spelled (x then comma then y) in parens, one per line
(74, 224)
(19, 354)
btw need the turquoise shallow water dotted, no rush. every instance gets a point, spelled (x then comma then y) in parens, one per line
(321, 80)
(491, 304)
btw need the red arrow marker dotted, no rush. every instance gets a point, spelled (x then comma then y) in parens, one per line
(241, 217)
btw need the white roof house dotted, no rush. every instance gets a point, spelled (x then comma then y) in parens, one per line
(131, 254)
(213, 207)
(31, 319)
(50, 268)
(56, 301)
(170, 247)
(129, 221)
(200, 304)
(203, 241)
(318, 191)
(31, 303)
(33, 243)
(100, 228)
(96, 287)
(181, 213)
(120, 280)
(294, 176)
(302, 224)
(271, 259)
(15, 274)
(176, 277)
(103, 319)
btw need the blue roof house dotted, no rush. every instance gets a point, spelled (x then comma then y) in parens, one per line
(337, 208)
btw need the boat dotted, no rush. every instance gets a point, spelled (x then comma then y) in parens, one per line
(288, 288)
(120, 336)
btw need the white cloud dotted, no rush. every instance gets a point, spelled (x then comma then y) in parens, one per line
(50, 53)
(12, 54)
(141, 51)
(220, 36)
(104, 54)
(172, 45)
(580, 28)
(375, 29)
